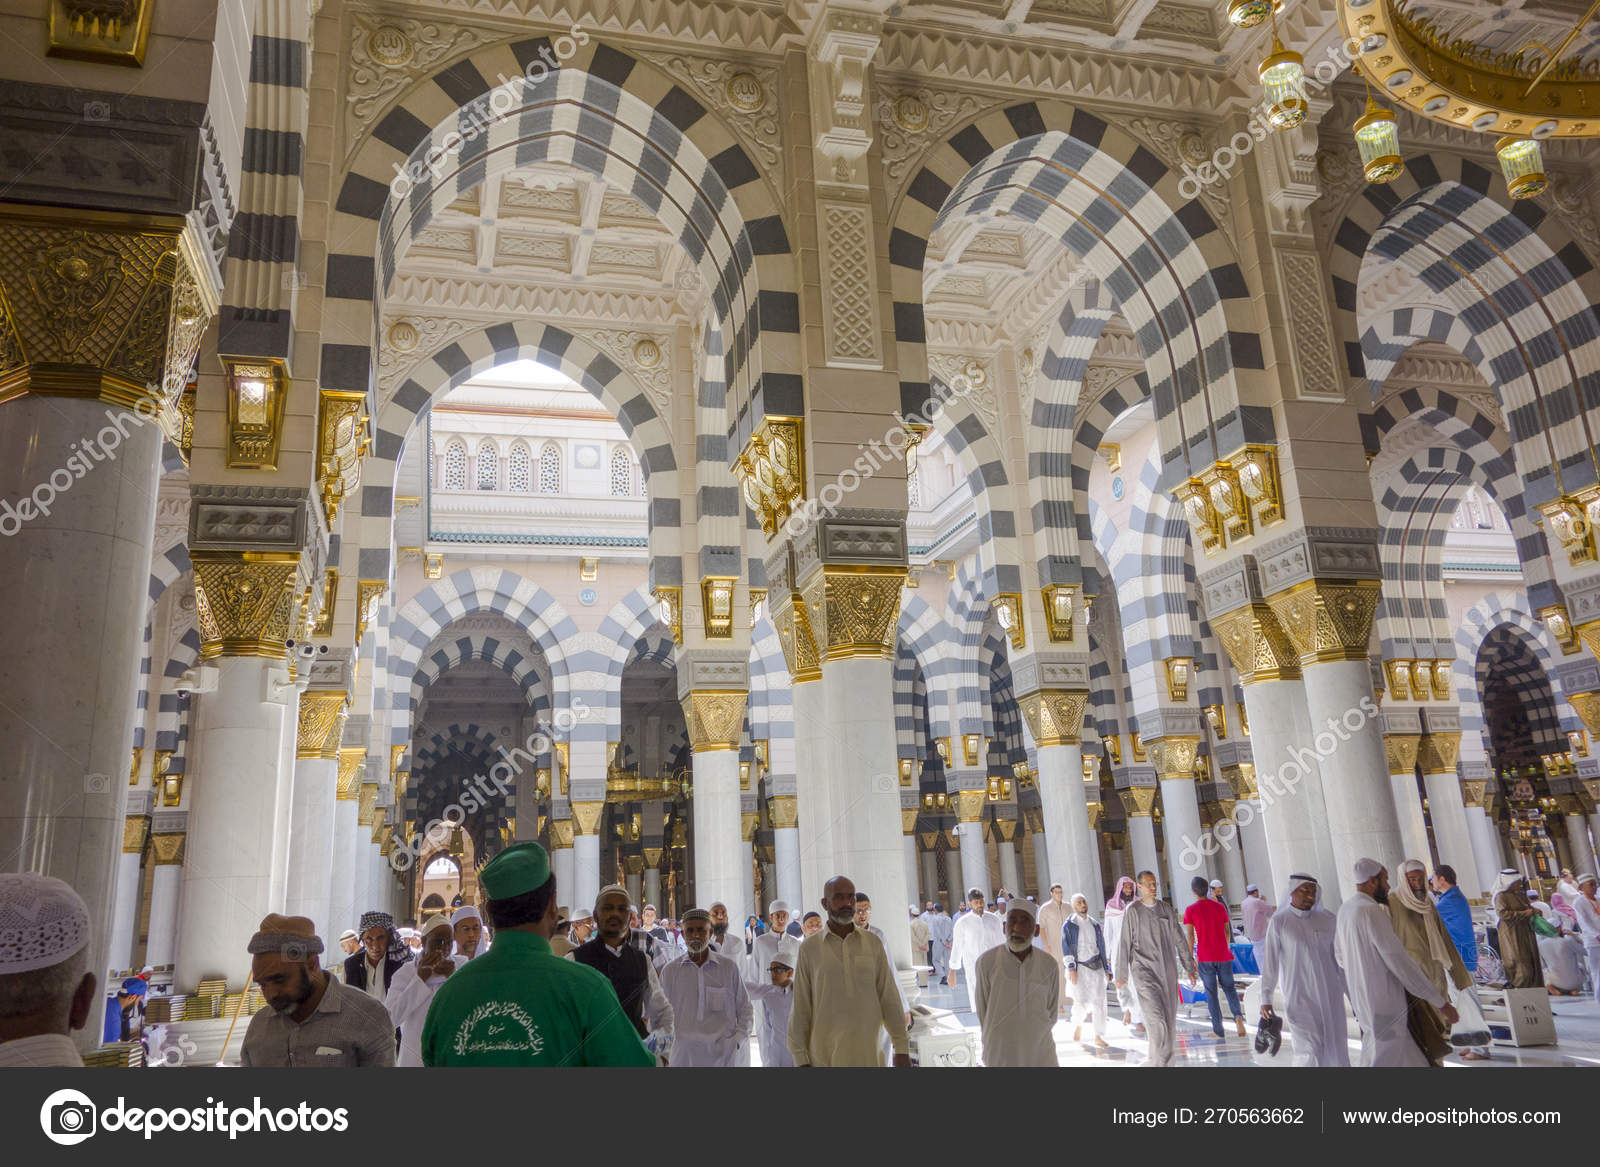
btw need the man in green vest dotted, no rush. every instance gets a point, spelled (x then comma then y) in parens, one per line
(519, 1004)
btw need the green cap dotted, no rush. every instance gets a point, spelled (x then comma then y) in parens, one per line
(515, 871)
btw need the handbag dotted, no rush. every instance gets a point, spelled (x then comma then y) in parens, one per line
(1427, 1029)
(1470, 1029)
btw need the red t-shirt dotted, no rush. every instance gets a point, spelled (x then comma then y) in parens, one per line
(1209, 920)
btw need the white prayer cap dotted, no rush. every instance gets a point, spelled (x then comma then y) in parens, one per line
(466, 912)
(580, 914)
(1250, 887)
(609, 888)
(776, 906)
(788, 953)
(1366, 869)
(42, 922)
(1413, 865)
(1023, 906)
(1216, 883)
(1587, 877)
(349, 934)
(147, 968)
(439, 920)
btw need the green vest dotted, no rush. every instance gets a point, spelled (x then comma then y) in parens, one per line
(521, 1005)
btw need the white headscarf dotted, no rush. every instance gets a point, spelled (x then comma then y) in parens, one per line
(1088, 905)
(1296, 880)
(1422, 905)
(1507, 877)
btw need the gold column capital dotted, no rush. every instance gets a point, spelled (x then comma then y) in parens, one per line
(168, 848)
(854, 610)
(747, 826)
(1256, 644)
(785, 811)
(560, 834)
(1401, 751)
(586, 817)
(1173, 756)
(245, 601)
(1055, 716)
(1587, 706)
(970, 804)
(134, 830)
(367, 797)
(351, 759)
(792, 619)
(1439, 752)
(1005, 830)
(715, 718)
(1138, 801)
(319, 722)
(368, 593)
(652, 857)
(349, 781)
(1473, 791)
(1096, 812)
(1327, 620)
(908, 820)
(395, 754)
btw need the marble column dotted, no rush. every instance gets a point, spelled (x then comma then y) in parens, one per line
(318, 761)
(1583, 856)
(1452, 835)
(652, 879)
(747, 869)
(908, 828)
(1486, 849)
(1138, 803)
(1006, 859)
(563, 864)
(166, 878)
(1188, 845)
(369, 891)
(929, 888)
(125, 916)
(1041, 865)
(1401, 752)
(234, 798)
(813, 815)
(787, 864)
(955, 884)
(283, 811)
(712, 692)
(102, 319)
(586, 882)
(1289, 782)
(344, 899)
(1230, 859)
(974, 854)
(1054, 717)
(635, 888)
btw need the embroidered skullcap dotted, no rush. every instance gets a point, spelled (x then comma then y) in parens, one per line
(42, 922)
(777, 906)
(465, 912)
(580, 914)
(1023, 906)
(293, 936)
(436, 921)
(788, 952)
(1587, 877)
(519, 869)
(1366, 869)
(696, 914)
(615, 889)
(1216, 883)
(1250, 887)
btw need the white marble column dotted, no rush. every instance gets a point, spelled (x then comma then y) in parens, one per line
(635, 887)
(125, 916)
(283, 811)
(1142, 841)
(1447, 808)
(720, 860)
(311, 839)
(233, 812)
(1184, 837)
(1069, 841)
(787, 865)
(1289, 782)
(166, 879)
(586, 881)
(344, 900)
(930, 876)
(1486, 849)
(747, 876)
(1253, 843)
(563, 863)
(812, 798)
(975, 860)
(652, 889)
(858, 711)
(913, 873)
(1583, 856)
(955, 881)
(1041, 867)
(1401, 752)
(1006, 857)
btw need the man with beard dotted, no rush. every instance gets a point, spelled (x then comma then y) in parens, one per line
(466, 928)
(382, 953)
(729, 943)
(974, 934)
(710, 1008)
(1519, 948)
(1298, 952)
(1150, 946)
(1122, 897)
(1421, 930)
(1014, 992)
(1052, 919)
(313, 1020)
(1088, 960)
(844, 992)
(626, 965)
(414, 986)
(810, 926)
(1378, 974)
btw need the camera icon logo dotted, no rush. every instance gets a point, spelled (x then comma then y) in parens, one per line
(96, 111)
(68, 1117)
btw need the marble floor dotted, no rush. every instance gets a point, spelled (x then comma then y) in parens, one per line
(1577, 1034)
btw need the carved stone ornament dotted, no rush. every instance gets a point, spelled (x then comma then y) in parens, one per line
(1327, 621)
(910, 119)
(849, 291)
(1439, 752)
(793, 622)
(1401, 751)
(785, 811)
(1309, 325)
(744, 93)
(319, 721)
(1173, 757)
(647, 356)
(1256, 644)
(134, 829)
(1185, 148)
(244, 603)
(586, 817)
(970, 377)
(1138, 802)
(1587, 706)
(168, 848)
(1054, 716)
(390, 46)
(560, 834)
(715, 718)
(853, 611)
(408, 342)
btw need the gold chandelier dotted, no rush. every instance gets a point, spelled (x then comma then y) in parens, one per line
(1523, 96)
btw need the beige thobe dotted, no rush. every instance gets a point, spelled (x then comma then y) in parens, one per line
(1052, 918)
(845, 996)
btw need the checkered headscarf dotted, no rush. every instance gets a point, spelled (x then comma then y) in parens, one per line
(398, 948)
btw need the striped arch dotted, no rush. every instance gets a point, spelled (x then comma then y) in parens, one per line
(931, 640)
(1112, 202)
(1003, 720)
(984, 463)
(486, 589)
(1528, 307)
(631, 631)
(172, 707)
(449, 650)
(910, 704)
(1416, 502)
(477, 352)
(1053, 472)
(967, 611)
(1484, 439)
(1495, 610)
(771, 707)
(1087, 433)
(603, 111)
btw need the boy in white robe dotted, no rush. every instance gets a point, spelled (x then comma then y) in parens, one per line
(775, 995)
(411, 991)
(1378, 973)
(1015, 988)
(1297, 952)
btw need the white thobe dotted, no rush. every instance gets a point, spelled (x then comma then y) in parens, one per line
(757, 972)
(1256, 912)
(973, 935)
(710, 1010)
(920, 935)
(777, 1006)
(1016, 1005)
(732, 948)
(1126, 997)
(942, 930)
(1297, 953)
(1378, 974)
(1052, 917)
(409, 998)
(845, 996)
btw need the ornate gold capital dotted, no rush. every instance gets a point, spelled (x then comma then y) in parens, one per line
(1472, 791)
(319, 718)
(908, 820)
(1327, 620)
(367, 797)
(341, 440)
(1401, 750)
(1245, 786)
(560, 833)
(1440, 752)
(793, 622)
(771, 471)
(134, 828)
(652, 857)
(168, 848)
(368, 593)
(1005, 830)
(351, 759)
(715, 717)
(1256, 644)
(1096, 811)
(395, 754)
(854, 610)
(1173, 757)
(1055, 716)
(244, 601)
(1587, 706)
(785, 811)
(586, 817)
(747, 827)
(1138, 802)
(970, 804)
(349, 780)
(101, 305)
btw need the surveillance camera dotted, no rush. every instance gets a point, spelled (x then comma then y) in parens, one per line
(182, 692)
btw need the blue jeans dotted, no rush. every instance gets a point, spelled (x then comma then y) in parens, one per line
(1212, 973)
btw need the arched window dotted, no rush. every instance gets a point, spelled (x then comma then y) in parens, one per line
(621, 473)
(488, 466)
(549, 470)
(455, 466)
(638, 480)
(519, 469)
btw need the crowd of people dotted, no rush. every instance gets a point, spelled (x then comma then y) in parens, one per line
(522, 982)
